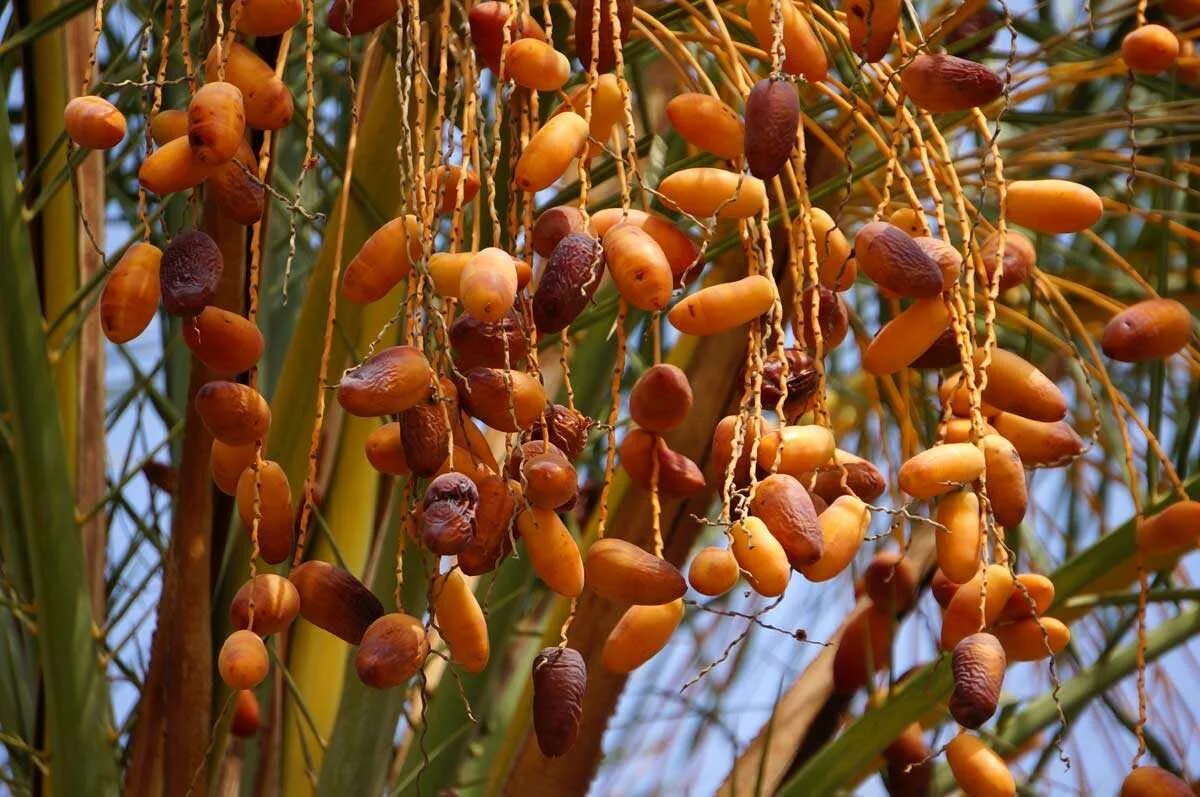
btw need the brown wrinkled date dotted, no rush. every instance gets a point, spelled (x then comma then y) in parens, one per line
(568, 282)
(448, 513)
(553, 225)
(390, 381)
(784, 506)
(895, 262)
(978, 667)
(772, 119)
(567, 429)
(864, 479)
(190, 272)
(801, 382)
(493, 523)
(832, 317)
(939, 83)
(483, 344)
(559, 680)
(424, 432)
(333, 599)
(393, 649)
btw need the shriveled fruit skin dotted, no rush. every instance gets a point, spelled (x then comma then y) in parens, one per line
(1007, 489)
(266, 100)
(958, 551)
(216, 122)
(705, 191)
(268, 17)
(334, 600)
(276, 604)
(1154, 782)
(906, 336)
(864, 648)
(606, 57)
(535, 65)
(718, 308)
(173, 167)
(772, 122)
(661, 398)
(482, 344)
(1174, 529)
(803, 53)
(383, 260)
(228, 343)
(227, 463)
(236, 191)
(547, 475)
(190, 272)
(245, 722)
(872, 25)
(390, 381)
(448, 513)
(243, 662)
(1027, 640)
(1019, 258)
(895, 262)
(843, 526)
(801, 381)
(681, 251)
(963, 618)
(978, 666)
(782, 503)
(1053, 206)
(552, 550)
(1150, 330)
(234, 414)
(977, 770)
(640, 634)
(568, 282)
(93, 122)
(761, 556)
(425, 434)
(566, 428)
(392, 650)
(677, 474)
(554, 224)
(714, 571)
(936, 471)
(1038, 443)
(949, 260)
(507, 401)
(622, 572)
(130, 296)
(274, 509)
(940, 83)
(707, 123)
(460, 621)
(833, 319)
(891, 582)
(862, 478)
(638, 266)
(559, 680)
(1150, 49)
(493, 520)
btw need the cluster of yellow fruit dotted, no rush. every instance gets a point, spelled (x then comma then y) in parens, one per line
(807, 504)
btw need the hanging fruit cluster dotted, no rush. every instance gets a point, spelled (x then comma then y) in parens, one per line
(489, 456)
